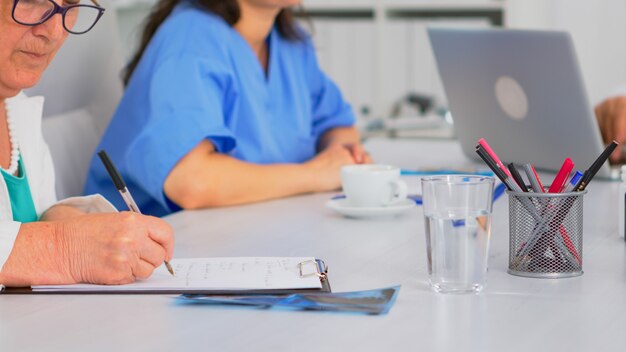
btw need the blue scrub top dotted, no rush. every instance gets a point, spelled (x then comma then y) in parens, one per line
(199, 78)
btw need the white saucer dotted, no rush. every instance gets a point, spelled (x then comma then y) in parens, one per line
(342, 207)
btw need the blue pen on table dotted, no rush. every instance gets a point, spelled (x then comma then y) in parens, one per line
(119, 183)
(417, 198)
(406, 172)
(498, 191)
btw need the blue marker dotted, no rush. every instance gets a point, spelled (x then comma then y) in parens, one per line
(417, 198)
(572, 183)
(405, 172)
(498, 191)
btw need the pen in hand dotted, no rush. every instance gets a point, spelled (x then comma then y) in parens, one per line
(119, 183)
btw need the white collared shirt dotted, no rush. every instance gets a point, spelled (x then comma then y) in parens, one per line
(26, 113)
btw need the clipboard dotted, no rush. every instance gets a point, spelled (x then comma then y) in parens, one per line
(321, 273)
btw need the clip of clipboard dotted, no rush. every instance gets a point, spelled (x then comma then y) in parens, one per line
(306, 269)
(321, 270)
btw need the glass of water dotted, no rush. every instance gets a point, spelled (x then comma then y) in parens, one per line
(457, 214)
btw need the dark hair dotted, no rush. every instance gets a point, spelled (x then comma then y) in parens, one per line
(227, 9)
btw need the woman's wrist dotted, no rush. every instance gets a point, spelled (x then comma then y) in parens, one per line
(62, 235)
(39, 256)
(338, 135)
(310, 177)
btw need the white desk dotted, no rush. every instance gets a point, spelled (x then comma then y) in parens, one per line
(587, 313)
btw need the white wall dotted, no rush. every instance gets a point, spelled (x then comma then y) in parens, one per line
(598, 28)
(376, 65)
(375, 61)
(376, 68)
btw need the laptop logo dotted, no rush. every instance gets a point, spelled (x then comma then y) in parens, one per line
(511, 97)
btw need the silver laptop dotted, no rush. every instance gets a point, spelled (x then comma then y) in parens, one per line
(522, 91)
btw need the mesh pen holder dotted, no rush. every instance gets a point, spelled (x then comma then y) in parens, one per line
(546, 234)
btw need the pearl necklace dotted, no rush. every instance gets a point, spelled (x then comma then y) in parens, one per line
(15, 153)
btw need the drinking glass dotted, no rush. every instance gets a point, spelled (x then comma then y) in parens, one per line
(457, 214)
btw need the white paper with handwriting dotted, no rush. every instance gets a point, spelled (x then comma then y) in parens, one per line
(227, 273)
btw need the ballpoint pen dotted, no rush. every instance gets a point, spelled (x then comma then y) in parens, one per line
(500, 173)
(483, 143)
(572, 183)
(510, 184)
(119, 183)
(593, 169)
(494, 167)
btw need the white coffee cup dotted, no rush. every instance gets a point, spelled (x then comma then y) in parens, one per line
(372, 185)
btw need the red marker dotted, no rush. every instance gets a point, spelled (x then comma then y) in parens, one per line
(561, 177)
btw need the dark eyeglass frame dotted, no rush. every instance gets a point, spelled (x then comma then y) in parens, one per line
(62, 10)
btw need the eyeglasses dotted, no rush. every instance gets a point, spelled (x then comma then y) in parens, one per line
(77, 19)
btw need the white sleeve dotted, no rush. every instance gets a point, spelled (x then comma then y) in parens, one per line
(94, 203)
(8, 234)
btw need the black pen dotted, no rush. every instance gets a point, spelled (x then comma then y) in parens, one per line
(510, 184)
(119, 183)
(595, 167)
(517, 177)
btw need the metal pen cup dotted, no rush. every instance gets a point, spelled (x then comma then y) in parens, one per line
(545, 234)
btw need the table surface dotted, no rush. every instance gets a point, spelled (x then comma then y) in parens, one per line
(513, 313)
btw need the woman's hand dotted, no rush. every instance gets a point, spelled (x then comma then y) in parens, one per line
(325, 167)
(104, 248)
(347, 137)
(611, 115)
(116, 248)
(359, 154)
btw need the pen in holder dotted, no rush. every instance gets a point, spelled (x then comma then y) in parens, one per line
(546, 234)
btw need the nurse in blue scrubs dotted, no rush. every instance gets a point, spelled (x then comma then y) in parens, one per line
(226, 104)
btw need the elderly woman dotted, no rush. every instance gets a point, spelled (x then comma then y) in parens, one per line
(42, 241)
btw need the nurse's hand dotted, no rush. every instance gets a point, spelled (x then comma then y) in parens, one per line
(611, 115)
(103, 248)
(324, 167)
(347, 137)
(359, 154)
